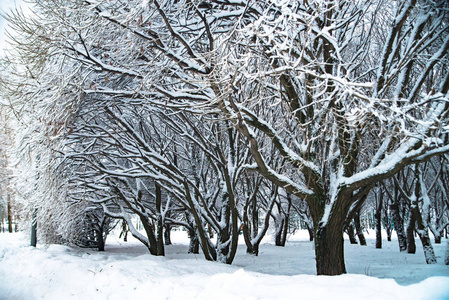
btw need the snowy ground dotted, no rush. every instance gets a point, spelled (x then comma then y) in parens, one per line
(127, 271)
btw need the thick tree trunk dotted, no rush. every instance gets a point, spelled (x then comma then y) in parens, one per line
(329, 251)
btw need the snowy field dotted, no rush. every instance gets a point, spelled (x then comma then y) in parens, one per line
(127, 271)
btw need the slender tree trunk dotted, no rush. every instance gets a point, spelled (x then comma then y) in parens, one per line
(194, 245)
(100, 240)
(282, 227)
(223, 236)
(411, 247)
(446, 255)
(278, 233)
(398, 221)
(351, 234)
(310, 230)
(378, 218)
(250, 226)
(34, 228)
(9, 214)
(167, 234)
(160, 236)
(159, 223)
(124, 231)
(388, 229)
(359, 229)
(423, 233)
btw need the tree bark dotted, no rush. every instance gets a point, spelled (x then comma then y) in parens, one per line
(9, 214)
(359, 229)
(446, 255)
(423, 233)
(329, 251)
(282, 227)
(351, 234)
(159, 223)
(194, 245)
(378, 218)
(398, 221)
(34, 228)
(167, 235)
(310, 230)
(411, 247)
(100, 240)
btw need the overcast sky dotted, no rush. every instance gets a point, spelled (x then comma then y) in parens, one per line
(5, 7)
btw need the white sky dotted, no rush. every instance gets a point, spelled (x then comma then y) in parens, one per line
(5, 7)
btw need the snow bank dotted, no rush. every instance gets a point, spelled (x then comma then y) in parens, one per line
(127, 272)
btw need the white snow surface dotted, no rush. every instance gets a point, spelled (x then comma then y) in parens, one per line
(128, 271)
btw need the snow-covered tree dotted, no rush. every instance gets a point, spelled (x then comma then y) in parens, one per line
(300, 77)
(345, 93)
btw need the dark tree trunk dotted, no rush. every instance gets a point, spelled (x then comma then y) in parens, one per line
(359, 229)
(167, 235)
(194, 245)
(100, 241)
(160, 251)
(9, 215)
(411, 247)
(329, 251)
(100, 234)
(351, 234)
(429, 253)
(423, 234)
(398, 222)
(310, 230)
(378, 218)
(224, 235)
(282, 227)
(34, 228)
(278, 237)
(250, 226)
(124, 232)
(388, 229)
(378, 233)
